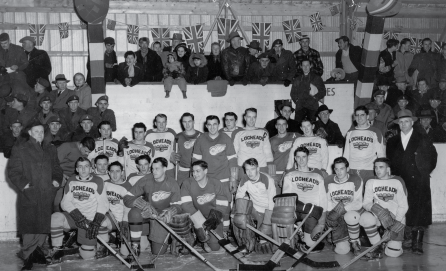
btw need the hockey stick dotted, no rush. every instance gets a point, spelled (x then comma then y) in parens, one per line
(62, 252)
(176, 164)
(140, 267)
(295, 253)
(165, 241)
(335, 264)
(189, 246)
(385, 238)
(114, 253)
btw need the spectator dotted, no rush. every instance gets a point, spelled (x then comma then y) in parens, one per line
(46, 109)
(440, 133)
(12, 137)
(404, 58)
(436, 110)
(129, 72)
(62, 93)
(386, 113)
(69, 152)
(391, 91)
(150, 61)
(337, 76)
(402, 84)
(348, 58)
(263, 71)
(441, 63)
(18, 110)
(110, 63)
(82, 90)
(42, 88)
(439, 91)
(254, 51)
(39, 64)
(177, 38)
(326, 126)
(86, 129)
(285, 110)
(387, 59)
(308, 88)
(198, 71)
(307, 53)
(402, 104)
(101, 113)
(13, 57)
(214, 63)
(235, 60)
(424, 64)
(419, 96)
(71, 116)
(156, 46)
(56, 133)
(373, 114)
(285, 62)
(174, 72)
(424, 124)
(183, 54)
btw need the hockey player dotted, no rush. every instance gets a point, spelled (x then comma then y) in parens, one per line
(116, 188)
(363, 144)
(207, 202)
(84, 204)
(218, 151)
(105, 144)
(100, 167)
(259, 206)
(385, 199)
(186, 142)
(231, 128)
(137, 147)
(344, 207)
(317, 146)
(160, 199)
(143, 165)
(253, 142)
(308, 184)
(163, 140)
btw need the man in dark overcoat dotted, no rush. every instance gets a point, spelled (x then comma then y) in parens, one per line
(413, 157)
(35, 171)
(39, 62)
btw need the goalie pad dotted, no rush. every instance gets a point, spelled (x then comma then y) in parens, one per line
(182, 225)
(283, 217)
(383, 215)
(242, 217)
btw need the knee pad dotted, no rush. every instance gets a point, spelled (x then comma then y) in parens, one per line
(310, 224)
(307, 239)
(352, 217)
(87, 252)
(342, 247)
(57, 219)
(135, 215)
(394, 249)
(367, 219)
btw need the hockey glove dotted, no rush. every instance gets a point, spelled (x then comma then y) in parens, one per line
(166, 214)
(198, 221)
(122, 144)
(231, 82)
(125, 230)
(214, 219)
(264, 247)
(79, 219)
(334, 215)
(93, 227)
(305, 208)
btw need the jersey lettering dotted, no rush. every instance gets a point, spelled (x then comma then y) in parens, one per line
(82, 188)
(344, 196)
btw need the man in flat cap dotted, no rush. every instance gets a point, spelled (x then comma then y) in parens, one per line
(39, 62)
(72, 114)
(285, 62)
(305, 52)
(102, 113)
(235, 60)
(12, 57)
(62, 93)
(86, 129)
(151, 63)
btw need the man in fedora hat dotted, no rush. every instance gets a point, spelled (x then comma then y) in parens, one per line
(235, 60)
(285, 110)
(39, 62)
(330, 128)
(424, 124)
(62, 93)
(72, 114)
(152, 65)
(413, 157)
(305, 52)
(254, 50)
(348, 58)
(263, 71)
(102, 113)
(402, 84)
(285, 62)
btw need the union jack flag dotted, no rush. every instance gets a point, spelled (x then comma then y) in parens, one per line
(292, 30)
(37, 31)
(111, 24)
(261, 33)
(334, 10)
(224, 28)
(415, 45)
(390, 34)
(194, 38)
(63, 30)
(316, 22)
(438, 45)
(161, 35)
(132, 33)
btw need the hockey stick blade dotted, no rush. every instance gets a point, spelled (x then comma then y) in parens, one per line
(139, 267)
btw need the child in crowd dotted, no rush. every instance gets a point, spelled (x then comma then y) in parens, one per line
(82, 90)
(198, 72)
(174, 72)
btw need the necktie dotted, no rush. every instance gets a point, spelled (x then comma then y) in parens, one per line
(58, 94)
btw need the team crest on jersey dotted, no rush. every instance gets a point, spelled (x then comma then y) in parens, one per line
(160, 195)
(385, 196)
(305, 186)
(252, 144)
(285, 146)
(360, 145)
(161, 148)
(344, 199)
(81, 196)
(113, 200)
(189, 144)
(312, 150)
(216, 149)
(135, 153)
(203, 199)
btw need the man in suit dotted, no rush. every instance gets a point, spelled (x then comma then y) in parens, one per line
(413, 157)
(63, 93)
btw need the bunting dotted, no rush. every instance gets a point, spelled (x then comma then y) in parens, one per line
(316, 22)
(224, 28)
(391, 35)
(37, 31)
(132, 33)
(111, 24)
(63, 30)
(194, 38)
(261, 33)
(415, 45)
(162, 35)
(438, 45)
(292, 30)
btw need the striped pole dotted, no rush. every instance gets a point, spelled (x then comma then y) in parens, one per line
(95, 33)
(374, 30)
